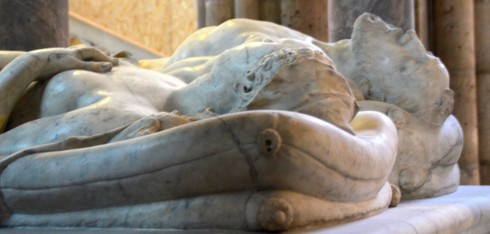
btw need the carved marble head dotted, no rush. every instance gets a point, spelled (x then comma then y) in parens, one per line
(391, 66)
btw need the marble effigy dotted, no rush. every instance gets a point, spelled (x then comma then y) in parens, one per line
(397, 77)
(387, 70)
(249, 125)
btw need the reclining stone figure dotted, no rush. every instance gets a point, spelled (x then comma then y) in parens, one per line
(396, 76)
(387, 70)
(207, 138)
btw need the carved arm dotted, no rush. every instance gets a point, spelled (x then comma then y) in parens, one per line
(25, 68)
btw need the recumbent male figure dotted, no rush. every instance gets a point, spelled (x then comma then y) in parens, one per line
(71, 132)
(85, 103)
(242, 65)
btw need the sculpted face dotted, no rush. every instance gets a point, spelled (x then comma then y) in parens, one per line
(393, 67)
(398, 78)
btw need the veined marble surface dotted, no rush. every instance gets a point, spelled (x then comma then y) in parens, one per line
(465, 211)
(209, 138)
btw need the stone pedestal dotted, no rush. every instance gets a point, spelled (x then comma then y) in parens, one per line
(343, 13)
(35, 24)
(466, 211)
(482, 47)
(454, 44)
(309, 17)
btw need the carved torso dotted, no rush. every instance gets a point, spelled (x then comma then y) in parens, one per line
(126, 87)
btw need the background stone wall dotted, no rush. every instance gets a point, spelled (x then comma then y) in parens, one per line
(158, 24)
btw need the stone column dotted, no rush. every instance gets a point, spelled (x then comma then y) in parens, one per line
(482, 47)
(422, 22)
(270, 10)
(431, 26)
(343, 13)
(201, 13)
(219, 11)
(33, 24)
(247, 9)
(307, 16)
(454, 43)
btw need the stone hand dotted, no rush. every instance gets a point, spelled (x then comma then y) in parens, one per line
(57, 60)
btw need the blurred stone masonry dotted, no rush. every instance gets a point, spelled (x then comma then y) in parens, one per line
(89, 33)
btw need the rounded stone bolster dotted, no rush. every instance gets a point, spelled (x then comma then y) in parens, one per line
(310, 156)
(261, 210)
(275, 214)
(246, 151)
(284, 210)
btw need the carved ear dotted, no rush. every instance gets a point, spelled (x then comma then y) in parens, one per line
(365, 86)
(397, 117)
(448, 99)
(444, 106)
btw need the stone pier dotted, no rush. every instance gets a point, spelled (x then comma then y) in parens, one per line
(343, 13)
(454, 20)
(201, 13)
(247, 9)
(30, 25)
(307, 16)
(219, 11)
(482, 46)
(270, 10)
(422, 22)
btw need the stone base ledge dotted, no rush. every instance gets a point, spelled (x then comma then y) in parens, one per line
(465, 211)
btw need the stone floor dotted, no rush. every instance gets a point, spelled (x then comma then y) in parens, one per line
(465, 211)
